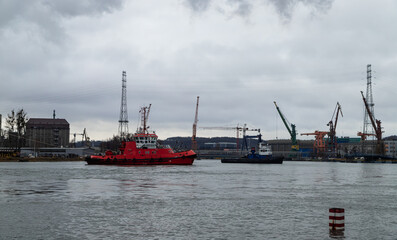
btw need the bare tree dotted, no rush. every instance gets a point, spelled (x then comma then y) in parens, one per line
(16, 128)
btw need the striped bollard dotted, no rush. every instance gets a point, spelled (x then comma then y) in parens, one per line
(336, 221)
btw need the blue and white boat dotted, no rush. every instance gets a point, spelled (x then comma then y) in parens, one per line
(264, 156)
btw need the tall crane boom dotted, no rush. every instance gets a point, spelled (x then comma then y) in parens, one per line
(332, 126)
(194, 141)
(376, 124)
(291, 130)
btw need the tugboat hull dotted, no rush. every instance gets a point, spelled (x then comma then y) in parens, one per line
(187, 159)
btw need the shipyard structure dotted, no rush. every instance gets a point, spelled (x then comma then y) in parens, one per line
(346, 147)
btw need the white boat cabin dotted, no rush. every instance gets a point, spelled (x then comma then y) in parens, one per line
(145, 140)
(265, 149)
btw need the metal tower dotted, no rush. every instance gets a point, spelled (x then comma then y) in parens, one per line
(368, 129)
(123, 122)
(194, 140)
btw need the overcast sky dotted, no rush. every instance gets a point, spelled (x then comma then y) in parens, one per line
(237, 55)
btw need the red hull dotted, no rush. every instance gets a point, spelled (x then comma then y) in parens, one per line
(188, 160)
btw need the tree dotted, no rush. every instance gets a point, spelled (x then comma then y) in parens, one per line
(10, 126)
(113, 143)
(16, 128)
(10, 120)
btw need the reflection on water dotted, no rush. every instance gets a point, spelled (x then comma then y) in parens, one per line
(335, 234)
(208, 200)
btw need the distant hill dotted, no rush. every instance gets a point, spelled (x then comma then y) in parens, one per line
(391, 138)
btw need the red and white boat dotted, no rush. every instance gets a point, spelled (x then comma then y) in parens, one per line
(143, 149)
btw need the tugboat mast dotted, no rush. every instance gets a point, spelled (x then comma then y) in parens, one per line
(144, 118)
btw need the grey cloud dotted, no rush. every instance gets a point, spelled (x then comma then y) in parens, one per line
(243, 8)
(8, 11)
(45, 16)
(285, 7)
(84, 7)
(198, 5)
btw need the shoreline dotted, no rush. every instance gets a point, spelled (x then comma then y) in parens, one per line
(345, 160)
(41, 159)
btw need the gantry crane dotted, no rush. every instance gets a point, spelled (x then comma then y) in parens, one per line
(291, 130)
(238, 129)
(364, 135)
(245, 137)
(376, 124)
(332, 127)
(320, 145)
(194, 141)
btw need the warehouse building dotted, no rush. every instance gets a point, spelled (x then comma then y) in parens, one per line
(47, 132)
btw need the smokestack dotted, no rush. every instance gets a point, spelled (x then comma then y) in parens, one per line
(53, 115)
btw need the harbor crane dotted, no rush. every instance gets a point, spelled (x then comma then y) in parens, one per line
(84, 138)
(321, 145)
(332, 127)
(319, 142)
(245, 137)
(194, 140)
(364, 135)
(290, 128)
(376, 124)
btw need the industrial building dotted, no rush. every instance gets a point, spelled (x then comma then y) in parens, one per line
(390, 148)
(285, 148)
(57, 152)
(47, 132)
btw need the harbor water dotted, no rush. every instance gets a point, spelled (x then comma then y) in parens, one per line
(208, 200)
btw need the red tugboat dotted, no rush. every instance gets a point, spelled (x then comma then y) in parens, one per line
(144, 149)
